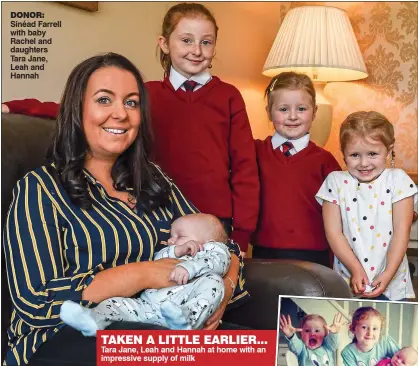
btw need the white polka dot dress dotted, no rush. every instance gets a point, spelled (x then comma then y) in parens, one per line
(366, 212)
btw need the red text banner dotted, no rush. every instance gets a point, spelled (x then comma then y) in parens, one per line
(197, 348)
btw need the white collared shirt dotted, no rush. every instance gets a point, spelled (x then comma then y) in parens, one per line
(278, 140)
(177, 79)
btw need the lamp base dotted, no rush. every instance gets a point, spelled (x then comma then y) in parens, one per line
(321, 126)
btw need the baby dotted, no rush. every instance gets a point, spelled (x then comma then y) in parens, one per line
(319, 342)
(407, 356)
(198, 240)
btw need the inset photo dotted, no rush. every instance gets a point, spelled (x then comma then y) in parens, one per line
(346, 332)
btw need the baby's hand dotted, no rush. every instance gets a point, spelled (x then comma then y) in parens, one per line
(337, 324)
(189, 248)
(180, 275)
(286, 326)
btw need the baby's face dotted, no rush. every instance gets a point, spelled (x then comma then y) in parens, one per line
(404, 357)
(313, 333)
(181, 232)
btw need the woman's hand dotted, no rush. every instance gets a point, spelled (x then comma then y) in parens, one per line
(160, 272)
(213, 322)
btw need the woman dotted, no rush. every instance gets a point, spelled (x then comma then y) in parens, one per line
(85, 227)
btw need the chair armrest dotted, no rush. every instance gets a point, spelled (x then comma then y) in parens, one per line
(267, 279)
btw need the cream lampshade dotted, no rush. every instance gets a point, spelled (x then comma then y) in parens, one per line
(318, 41)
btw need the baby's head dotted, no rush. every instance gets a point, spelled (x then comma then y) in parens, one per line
(198, 227)
(367, 140)
(366, 326)
(314, 330)
(291, 104)
(407, 356)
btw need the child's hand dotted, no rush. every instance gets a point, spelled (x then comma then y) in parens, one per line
(189, 248)
(180, 275)
(359, 281)
(380, 284)
(337, 324)
(286, 326)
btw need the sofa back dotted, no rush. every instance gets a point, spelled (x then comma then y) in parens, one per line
(24, 143)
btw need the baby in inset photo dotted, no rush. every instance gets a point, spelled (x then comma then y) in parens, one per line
(318, 342)
(407, 356)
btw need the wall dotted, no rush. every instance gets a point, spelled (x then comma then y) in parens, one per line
(388, 39)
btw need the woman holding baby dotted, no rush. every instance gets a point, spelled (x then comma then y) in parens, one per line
(85, 227)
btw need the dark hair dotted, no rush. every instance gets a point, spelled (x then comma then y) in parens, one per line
(172, 18)
(132, 170)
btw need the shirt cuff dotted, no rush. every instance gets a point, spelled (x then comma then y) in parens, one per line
(68, 288)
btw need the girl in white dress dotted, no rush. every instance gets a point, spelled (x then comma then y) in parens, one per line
(368, 210)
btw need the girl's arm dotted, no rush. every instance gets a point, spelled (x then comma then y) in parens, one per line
(244, 180)
(402, 212)
(32, 107)
(339, 245)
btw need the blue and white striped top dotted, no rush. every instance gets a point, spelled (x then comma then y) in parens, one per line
(53, 250)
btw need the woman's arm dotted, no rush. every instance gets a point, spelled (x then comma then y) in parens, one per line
(402, 212)
(129, 279)
(34, 256)
(340, 247)
(230, 283)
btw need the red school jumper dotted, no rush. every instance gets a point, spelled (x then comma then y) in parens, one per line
(290, 217)
(203, 141)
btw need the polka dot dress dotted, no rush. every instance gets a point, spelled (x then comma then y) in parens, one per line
(366, 213)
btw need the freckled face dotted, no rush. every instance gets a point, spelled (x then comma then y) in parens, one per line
(191, 45)
(111, 114)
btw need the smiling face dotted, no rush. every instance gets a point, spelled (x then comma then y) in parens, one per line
(365, 158)
(191, 46)
(111, 114)
(313, 333)
(292, 112)
(367, 332)
(405, 357)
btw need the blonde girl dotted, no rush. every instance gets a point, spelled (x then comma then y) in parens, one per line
(368, 211)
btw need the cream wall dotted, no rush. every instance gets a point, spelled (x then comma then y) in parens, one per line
(127, 28)
(246, 32)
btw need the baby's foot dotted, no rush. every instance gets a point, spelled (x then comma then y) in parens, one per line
(174, 316)
(79, 318)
